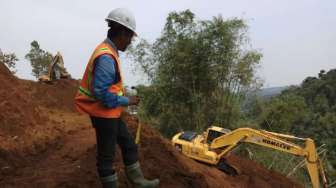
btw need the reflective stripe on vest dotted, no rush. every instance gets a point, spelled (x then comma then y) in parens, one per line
(88, 92)
(89, 76)
(89, 79)
(85, 92)
(85, 101)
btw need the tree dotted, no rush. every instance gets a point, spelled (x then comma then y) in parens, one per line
(199, 71)
(39, 59)
(9, 60)
(284, 113)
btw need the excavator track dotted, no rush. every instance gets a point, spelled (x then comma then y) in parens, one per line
(228, 169)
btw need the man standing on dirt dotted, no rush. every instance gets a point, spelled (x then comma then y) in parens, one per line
(101, 95)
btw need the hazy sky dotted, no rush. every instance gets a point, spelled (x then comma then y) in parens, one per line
(297, 38)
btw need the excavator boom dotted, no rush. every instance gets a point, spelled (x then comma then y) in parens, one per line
(274, 141)
(203, 147)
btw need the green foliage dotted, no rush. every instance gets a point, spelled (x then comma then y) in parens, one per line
(39, 59)
(276, 160)
(9, 60)
(283, 112)
(320, 96)
(308, 110)
(199, 72)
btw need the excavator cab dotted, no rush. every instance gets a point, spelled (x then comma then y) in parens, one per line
(214, 132)
(188, 136)
(198, 147)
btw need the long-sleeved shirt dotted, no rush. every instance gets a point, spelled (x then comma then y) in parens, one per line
(104, 76)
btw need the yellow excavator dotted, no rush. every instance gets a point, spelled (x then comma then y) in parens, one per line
(56, 70)
(216, 142)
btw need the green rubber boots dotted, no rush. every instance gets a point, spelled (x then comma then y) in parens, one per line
(136, 177)
(110, 181)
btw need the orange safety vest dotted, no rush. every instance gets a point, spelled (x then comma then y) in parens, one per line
(85, 101)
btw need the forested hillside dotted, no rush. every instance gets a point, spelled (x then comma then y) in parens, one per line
(308, 110)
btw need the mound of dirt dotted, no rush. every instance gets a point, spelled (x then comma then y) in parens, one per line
(45, 143)
(25, 105)
(17, 111)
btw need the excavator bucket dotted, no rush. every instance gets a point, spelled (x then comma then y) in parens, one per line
(44, 78)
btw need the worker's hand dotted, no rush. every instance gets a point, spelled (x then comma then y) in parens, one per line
(133, 100)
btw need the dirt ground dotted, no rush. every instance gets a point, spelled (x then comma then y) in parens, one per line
(46, 143)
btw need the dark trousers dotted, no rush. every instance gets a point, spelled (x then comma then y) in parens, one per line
(109, 132)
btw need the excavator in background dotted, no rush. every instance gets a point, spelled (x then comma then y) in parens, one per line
(215, 143)
(56, 70)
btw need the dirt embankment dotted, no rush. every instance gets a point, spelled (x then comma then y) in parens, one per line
(45, 143)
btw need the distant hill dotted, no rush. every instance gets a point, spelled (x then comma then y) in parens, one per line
(264, 93)
(271, 91)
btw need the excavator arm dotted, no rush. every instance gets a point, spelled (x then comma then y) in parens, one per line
(56, 70)
(275, 141)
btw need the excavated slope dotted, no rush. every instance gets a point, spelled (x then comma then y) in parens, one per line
(45, 143)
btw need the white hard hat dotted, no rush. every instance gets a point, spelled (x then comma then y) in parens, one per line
(124, 17)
